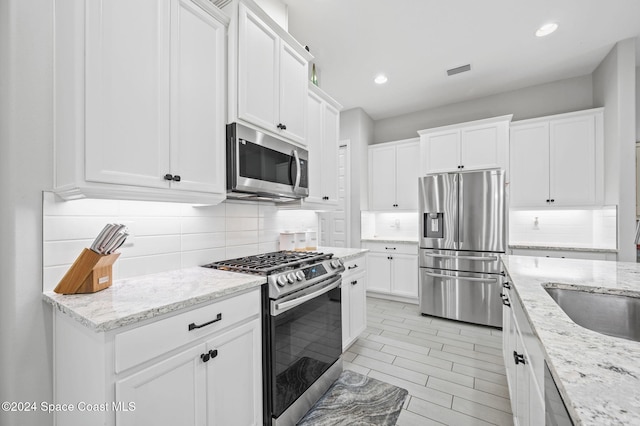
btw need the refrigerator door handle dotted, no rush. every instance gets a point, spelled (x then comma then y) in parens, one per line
(460, 210)
(449, 256)
(481, 280)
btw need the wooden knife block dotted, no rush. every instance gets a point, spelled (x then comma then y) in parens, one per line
(91, 272)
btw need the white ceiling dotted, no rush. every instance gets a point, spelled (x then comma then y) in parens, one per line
(414, 42)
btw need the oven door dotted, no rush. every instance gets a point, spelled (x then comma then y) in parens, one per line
(265, 166)
(306, 339)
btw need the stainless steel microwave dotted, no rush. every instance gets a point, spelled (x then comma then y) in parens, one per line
(260, 166)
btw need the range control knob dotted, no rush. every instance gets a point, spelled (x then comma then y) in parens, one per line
(300, 275)
(335, 264)
(291, 277)
(281, 281)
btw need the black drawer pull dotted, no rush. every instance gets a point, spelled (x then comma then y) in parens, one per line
(518, 358)
(352, 267)
(389, 248)
(194, 326)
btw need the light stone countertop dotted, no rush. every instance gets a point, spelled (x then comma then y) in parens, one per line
(132, 300)
(598, 376)
(388, 240)
(136, 299)
(561, 247)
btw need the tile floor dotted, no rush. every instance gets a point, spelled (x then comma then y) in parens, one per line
(453, 371)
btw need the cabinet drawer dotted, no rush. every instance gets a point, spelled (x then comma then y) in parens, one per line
(144, 343)
(354, 266)
(399, 248)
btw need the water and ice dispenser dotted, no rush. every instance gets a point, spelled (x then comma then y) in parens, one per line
(433, 225)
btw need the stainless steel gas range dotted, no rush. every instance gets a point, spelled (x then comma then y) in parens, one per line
(302, 328)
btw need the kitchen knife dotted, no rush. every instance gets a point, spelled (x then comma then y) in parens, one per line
(116, 242)
(115, 228)
(96, 243)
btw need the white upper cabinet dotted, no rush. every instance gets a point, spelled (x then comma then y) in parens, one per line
(323, 132)
(270, 75)
(474, 145)
(139, 103)
(393, 175)
(557, 160)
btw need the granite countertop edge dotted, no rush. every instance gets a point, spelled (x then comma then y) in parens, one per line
(388, 240)
(561, 248)
(132, 300)
(597, 375)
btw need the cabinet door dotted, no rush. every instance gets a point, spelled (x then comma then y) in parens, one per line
(330, 133)
(382, 178)
(357, 305)
(482, 147)
(404, 275)
(127, 92)
(440, 151)
(234, 377)
(379, 272)
(172, 392)
(522, 385)
(573, 161)
(529, 165)
(314, 145)
(258, 73)
(407, 166)
(345, 295)
(293, 93)
(198, 93)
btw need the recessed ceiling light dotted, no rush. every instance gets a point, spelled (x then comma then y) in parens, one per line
(381, 79)
(546, 29)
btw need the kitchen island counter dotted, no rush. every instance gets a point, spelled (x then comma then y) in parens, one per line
(132, 300)
(597, 375)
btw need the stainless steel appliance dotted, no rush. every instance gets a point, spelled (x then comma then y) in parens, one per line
(260, 166)
(556, 413)
(302, 328)
(462, 234)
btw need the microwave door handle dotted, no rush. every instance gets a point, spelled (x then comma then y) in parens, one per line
(296, 184)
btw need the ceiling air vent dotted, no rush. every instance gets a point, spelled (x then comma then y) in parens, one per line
(458, 70)
(220, 3)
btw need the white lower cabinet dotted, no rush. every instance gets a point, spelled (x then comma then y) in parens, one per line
(392, 270)
(354, 300)
(524, 363)
(209, 371)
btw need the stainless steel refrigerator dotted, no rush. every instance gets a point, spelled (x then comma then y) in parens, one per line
(462, 234)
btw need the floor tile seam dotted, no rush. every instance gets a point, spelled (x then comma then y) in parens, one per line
(479, 403)
(477, 368)
(450, 409)
(393, 365)
(466, 399)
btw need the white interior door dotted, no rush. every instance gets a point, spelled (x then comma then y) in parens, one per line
(334, 226)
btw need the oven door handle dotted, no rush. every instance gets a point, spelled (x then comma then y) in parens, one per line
(281, 307)
(450, 256)
(457, 277)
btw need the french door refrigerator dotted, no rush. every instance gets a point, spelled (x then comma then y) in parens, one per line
(462, 235)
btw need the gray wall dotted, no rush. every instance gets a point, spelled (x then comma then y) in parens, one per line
(545, 99)
(26, 131)
(614, 88)
(357, 127)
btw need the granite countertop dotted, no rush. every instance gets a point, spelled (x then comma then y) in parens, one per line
(388, 240)
(132, 300)
(343, 253)
(598, 376)
(571, 247)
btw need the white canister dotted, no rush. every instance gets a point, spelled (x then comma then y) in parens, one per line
(287, 241)
(312, 240)
(301, 240)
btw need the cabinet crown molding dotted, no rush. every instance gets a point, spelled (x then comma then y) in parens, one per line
(467, 124)
(556, 116)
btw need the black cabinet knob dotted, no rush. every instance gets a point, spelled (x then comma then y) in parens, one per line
(281, 126)
(177, 178)
(506, 284)
(205, 357)
(354, 282)
(168, 177)
(553, 201)
(213, 353)
(548, 200)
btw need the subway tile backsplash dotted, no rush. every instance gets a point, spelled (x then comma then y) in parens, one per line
(595, 228)
(166, 236)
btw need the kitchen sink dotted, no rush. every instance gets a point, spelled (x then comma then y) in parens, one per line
(610, 314)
